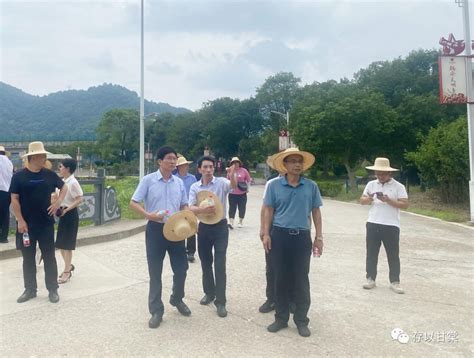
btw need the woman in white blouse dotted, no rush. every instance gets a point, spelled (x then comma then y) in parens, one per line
(68, 217)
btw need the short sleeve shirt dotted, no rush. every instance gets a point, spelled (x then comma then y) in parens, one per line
(380, 212)
(292, 205)
(218, 185)
(73, 191)
(34, 190)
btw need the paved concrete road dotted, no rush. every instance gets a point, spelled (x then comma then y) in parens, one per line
(103, 309)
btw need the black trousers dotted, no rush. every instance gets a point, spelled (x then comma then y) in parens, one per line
(191, 245)
(270, 278)
(156, 248)
(4, 214)
(390, 237)
(45, 238)
(239, 201)
(290, 256)
(214, 236)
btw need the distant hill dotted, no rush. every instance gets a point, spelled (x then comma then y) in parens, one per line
(72, 114)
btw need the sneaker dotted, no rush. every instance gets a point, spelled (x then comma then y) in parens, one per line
(304, 331)
(276, 326)
(369, 285)
(395, 287)
(240, 225)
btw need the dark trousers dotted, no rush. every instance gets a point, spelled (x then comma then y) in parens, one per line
(4, 215)
(270, 276)
(290, 256)
(156, 248)
(390, 237)
(239, 201)
(45, 238)
(214, 236)
(191, 245)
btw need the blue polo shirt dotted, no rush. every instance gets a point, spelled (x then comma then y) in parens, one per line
(158, 194)
(188, 180)
(292, 205)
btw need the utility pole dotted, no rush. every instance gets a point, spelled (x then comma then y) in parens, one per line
(142, 103)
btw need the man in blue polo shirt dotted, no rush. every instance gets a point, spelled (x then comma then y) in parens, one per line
(163, 195)
(288, 203)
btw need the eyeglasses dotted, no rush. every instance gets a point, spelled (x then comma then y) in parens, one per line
(294, 161)
(170, 159)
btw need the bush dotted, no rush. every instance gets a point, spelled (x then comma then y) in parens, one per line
(330, 188)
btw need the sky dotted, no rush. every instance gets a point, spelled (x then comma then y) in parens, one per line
(197, 51)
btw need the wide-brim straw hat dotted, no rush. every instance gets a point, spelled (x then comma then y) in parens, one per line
(2, 149)
(235, 159)
(382, 165)
(35, 148)
(278, 160)
(180, 226)
(182, 160)
(208, 198)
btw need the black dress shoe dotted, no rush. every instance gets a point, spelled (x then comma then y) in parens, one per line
(267, 306)
(206, 300)
(182, 308)
(53, 296)
(221, 311)
(27, 295)
(304, 331)
(276, 326)
(155, 320)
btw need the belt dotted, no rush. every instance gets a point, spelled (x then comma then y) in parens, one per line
(291, 231)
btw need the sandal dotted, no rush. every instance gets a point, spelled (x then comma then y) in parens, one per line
(64, 280)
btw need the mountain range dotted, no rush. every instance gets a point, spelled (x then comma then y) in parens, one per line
(65, 115)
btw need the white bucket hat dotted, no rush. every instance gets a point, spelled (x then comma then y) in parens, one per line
(182, 160)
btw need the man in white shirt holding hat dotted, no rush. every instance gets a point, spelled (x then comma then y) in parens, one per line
(208, 200)
(6, 172)
(386, 197)
(31, 190)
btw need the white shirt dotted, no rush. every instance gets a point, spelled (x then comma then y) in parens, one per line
(380, 212)
(6, 173)
(73, 191)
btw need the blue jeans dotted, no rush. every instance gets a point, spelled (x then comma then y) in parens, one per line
(156, 248)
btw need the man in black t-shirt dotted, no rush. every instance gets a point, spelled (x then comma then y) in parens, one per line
(31, 190)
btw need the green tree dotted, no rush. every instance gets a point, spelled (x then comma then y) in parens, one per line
(118, 135)
(344, 122)
(443, 160)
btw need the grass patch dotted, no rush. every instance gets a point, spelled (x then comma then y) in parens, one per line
(125, 187)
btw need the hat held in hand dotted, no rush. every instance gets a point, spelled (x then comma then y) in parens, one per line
(180, 226)
(208, 198)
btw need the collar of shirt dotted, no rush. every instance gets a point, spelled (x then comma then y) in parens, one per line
(386, 183)
(284, 181)
(68, 179)
(159, 176)
(211, 182)
(187, 175)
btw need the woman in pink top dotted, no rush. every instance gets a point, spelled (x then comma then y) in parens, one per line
(238, 196)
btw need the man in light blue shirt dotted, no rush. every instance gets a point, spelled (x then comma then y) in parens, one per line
(213, 236)
(163, 194)
(286, 235)
(182, 172)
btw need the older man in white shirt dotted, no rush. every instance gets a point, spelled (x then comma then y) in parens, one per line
(6, 173)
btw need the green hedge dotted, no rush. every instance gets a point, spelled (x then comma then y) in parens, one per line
(330, 188)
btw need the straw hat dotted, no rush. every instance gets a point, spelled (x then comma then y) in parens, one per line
(2, 149)
(180, 226)
(279, 158)
(208, 198)
(236, 159)
(382, 165)
(35, 148)
(182, 160)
